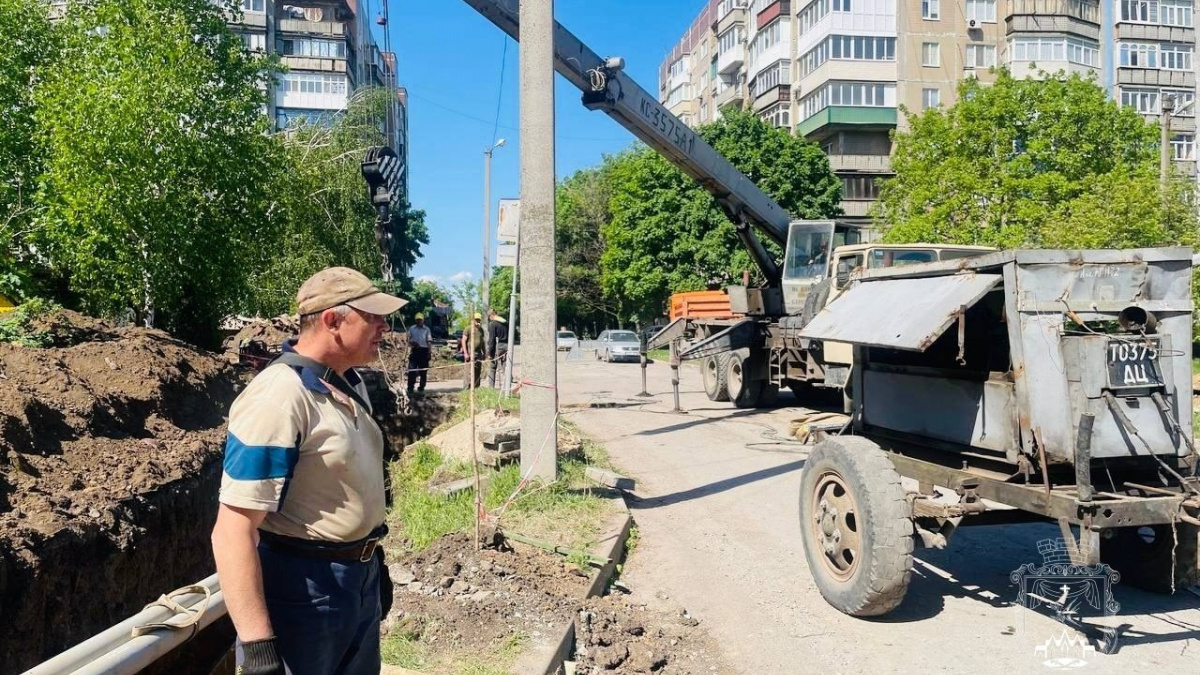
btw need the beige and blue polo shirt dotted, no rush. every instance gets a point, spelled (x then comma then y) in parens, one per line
(307, 455)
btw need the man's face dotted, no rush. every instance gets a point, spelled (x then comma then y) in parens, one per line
(420, 321)
(359, 335)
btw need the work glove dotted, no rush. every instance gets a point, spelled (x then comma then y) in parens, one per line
(261, 657)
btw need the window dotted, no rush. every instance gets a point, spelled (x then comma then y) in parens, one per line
(304, 83)
(678, 67)
(1075, 50)
(679, 94)
(1183, 146)
(841, 5)
(1176, 13)
(1176, 56)
(931, 54)
(777, 115)
(768, 37)
(1141, 100)
(930, 9)
(728, 6)
(771, 78)
(860, 94)
(1141, 11)
(983, 11)
(1184, 98)
(812, 15)
(254, 42)
(730, 39)
(1139, 55)
(254, 6)
(980, 56)
(930, 98)
(323, 49)
(859, 188)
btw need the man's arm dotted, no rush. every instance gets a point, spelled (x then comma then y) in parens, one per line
(235, 542)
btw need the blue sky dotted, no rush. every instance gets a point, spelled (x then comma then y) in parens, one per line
(450, 62)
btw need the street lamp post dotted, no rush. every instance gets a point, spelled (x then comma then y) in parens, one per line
(487, 219)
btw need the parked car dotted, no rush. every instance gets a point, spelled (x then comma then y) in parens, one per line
(618, 345)
(567, 341)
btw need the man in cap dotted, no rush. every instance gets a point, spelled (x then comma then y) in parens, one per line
(497, 341)
(474, 351)
(419, 342)
(302, 495)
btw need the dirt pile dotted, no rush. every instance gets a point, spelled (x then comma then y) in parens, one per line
(109, 461)
(466, 601)
(271, 332)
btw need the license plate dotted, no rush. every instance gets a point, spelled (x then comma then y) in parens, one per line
(1133, 364)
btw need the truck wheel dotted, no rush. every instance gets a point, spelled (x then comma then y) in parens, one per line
(1143, 556)
(744, 390)
(856, 525)
(713, 373)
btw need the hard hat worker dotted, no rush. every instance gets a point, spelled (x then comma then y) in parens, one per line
(497, 344)
(419, 343)
(474, 350)
(302, 495)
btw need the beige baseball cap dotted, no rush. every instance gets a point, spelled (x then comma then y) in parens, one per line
(335, 286)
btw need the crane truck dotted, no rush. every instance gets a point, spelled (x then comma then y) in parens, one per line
(750, 354)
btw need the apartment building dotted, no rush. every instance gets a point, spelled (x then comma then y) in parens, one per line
(839, 71)
(329, 53)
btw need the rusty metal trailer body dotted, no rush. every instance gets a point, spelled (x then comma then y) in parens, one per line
(1055, 382)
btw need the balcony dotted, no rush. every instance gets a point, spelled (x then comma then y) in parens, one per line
(847, 115)
(315, 64)
(1154, 33)
(861, 163)
(733, 94)
(729, 13)
(327, 28)
(856, 208)
(730, 60)
(765, 99)
(774, 11)
(1073, 17)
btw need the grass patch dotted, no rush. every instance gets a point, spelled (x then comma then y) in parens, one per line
(565, 512)
(16, 327)
(405, 649)
(1195, 366)
(659, 355)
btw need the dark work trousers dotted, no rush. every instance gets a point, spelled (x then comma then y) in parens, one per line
(473, 372)
(418, 366)
(325, 613)
(498, 365)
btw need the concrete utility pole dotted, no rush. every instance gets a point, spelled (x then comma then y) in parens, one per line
(487, 223)
(539, 358)
(1164, 149)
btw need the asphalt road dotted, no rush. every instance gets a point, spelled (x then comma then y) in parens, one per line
(716, 504)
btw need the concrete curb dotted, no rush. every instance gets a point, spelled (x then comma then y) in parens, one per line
(611, 546)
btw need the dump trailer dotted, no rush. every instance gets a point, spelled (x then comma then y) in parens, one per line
(1017, 385)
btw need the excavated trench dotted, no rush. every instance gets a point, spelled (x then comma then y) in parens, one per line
(110, 461)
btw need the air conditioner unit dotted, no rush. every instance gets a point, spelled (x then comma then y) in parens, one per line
(972, 24)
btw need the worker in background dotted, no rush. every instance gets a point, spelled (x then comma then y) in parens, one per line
(301, 575)
(474, 351)
(497, 342)
(419, 343)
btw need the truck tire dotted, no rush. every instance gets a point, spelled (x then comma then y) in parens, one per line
(744, 389)
(856, 525)
(1143, 556)
(713, 372)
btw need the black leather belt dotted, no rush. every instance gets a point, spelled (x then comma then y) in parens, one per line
(362, 550)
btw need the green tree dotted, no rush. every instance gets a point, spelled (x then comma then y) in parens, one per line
(581, 212)
(1023, 162)
(157, 162)
(667, 234)
(28, 42)
(320, 208)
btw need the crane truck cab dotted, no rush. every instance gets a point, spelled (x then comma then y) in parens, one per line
(753, 348)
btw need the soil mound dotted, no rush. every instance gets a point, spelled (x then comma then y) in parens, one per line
(118, 412)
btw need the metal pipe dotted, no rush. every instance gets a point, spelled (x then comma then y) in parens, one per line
(140, 652)
(1083, 457)
(115, 637)
(675, 374)
(645, 363)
